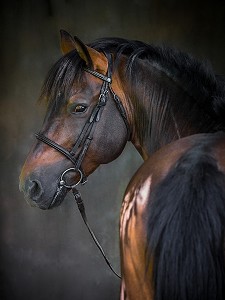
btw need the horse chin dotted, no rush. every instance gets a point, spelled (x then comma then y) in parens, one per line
(59, 196)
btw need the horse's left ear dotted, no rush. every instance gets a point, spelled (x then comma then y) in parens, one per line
(93, 59)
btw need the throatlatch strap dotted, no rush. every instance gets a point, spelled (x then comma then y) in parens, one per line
(80, 204)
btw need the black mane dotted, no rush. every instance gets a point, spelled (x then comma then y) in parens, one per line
(197, 79)
(60, 79)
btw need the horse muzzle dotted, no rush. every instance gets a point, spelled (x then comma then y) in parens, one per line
(41, 185)
(37, 196)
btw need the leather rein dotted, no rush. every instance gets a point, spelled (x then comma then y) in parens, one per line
(83, 142)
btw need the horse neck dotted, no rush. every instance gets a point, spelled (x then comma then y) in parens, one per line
(161, 111)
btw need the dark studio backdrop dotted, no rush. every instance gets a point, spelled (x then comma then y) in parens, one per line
(49, 254)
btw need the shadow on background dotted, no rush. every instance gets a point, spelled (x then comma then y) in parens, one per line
(49, 254)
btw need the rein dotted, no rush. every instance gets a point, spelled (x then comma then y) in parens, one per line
(81, 207)
(84, 139)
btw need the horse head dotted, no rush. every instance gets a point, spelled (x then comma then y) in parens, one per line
(85, 124)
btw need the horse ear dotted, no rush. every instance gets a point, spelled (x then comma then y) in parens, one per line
(67, 43)
(84, 51)
(92, 58)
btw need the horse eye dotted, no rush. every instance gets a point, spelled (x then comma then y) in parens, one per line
(79, 109)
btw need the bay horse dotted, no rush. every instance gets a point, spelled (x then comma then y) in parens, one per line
(172, 108)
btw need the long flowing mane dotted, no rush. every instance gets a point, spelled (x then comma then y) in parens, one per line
(197, 78)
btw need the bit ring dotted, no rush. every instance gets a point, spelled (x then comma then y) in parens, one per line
(62, 181)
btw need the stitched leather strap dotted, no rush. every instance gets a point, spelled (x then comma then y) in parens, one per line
(81, 207)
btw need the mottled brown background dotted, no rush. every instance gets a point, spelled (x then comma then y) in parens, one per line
(49, 254)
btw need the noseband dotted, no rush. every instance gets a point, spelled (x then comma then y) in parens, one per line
(86, 135)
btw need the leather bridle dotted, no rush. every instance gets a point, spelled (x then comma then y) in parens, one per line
(83, 142)
(86, 135)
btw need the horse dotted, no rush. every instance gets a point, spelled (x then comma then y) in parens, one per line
(171, 107)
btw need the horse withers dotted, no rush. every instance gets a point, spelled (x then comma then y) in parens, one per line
(101, 95)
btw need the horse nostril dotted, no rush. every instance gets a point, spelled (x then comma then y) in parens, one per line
(34, 189)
